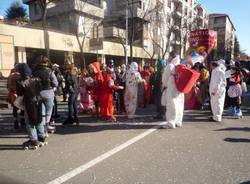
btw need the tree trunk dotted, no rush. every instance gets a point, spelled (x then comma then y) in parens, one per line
(82, 56)
(83, 59)
(45, 31)
(131, 40)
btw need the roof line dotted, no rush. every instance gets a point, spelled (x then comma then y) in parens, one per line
(223, 15)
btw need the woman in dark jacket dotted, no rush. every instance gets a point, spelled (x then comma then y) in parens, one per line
(72, 88)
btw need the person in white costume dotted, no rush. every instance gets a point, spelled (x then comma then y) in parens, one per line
(174, 98)
(217, 90)
(133, 77)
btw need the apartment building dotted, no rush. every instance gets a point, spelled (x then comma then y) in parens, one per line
(73, 16)
(201, 17)
(186, 16)
(153, 19)
(226, 34)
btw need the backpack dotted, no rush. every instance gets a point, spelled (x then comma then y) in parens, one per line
(44, 73)
(32, 87)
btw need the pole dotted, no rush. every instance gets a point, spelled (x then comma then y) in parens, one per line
(126, 44)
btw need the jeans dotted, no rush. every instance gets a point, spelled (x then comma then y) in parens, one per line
(47, 108)
(34, 131)
(72, 105)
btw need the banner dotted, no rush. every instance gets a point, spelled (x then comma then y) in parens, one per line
(203, 38)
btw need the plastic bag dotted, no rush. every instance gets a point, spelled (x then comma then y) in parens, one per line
(19, 103)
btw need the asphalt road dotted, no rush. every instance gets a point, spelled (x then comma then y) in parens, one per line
(199, 152)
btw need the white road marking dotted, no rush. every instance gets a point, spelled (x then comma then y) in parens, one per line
(104, 156)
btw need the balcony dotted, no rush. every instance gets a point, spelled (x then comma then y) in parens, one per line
(96, 43)
(114, 32)
(136, 12)
(61, 7)
(89, 8)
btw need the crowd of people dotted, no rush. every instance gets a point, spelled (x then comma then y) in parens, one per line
(106, 90)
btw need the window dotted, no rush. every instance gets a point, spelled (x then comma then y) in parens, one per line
(218, 20)
(186, 11)
(97, 3)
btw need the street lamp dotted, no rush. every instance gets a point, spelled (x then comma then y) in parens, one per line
(126, 36)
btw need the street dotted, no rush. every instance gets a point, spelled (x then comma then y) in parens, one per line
(136, 153)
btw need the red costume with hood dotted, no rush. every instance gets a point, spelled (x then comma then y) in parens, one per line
(106, 102)
(146, 74)
(98, 79)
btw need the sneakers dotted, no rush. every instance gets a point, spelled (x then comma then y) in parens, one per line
(31, 144)
(238, 113)
(231, 111)
(211, 119)
(76, 120)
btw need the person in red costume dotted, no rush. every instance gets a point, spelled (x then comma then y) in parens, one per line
(106, 98)
(96, 74)
(146, 75)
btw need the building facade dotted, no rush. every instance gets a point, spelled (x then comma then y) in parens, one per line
(153, 21)
(226, 34)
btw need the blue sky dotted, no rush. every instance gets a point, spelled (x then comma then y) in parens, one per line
(238, 10)
(4, 4)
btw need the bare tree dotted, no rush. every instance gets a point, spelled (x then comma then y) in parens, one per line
(86, 28)
(44, 10)
(151, 14)
(149, 9)
(164, 23)
(173, 25)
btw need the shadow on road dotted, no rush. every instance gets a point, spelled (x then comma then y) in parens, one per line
(76, 129)
(245, 182)
(8, 180)
(245, 129)
(237, 140)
